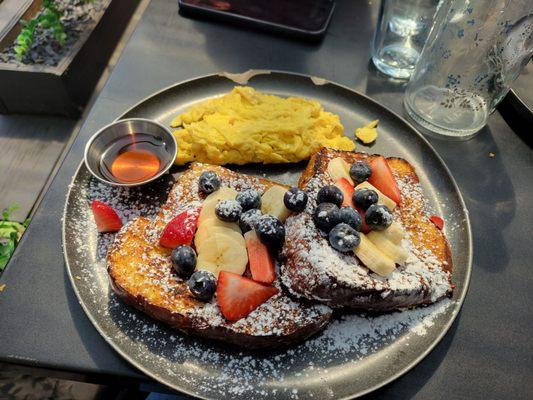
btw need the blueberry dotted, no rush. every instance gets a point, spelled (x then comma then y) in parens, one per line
(270, 231)
(248, 219)
(360, 171)
(202, 285)
(344, 238)
(351, 217)
(330, 194)
(364, 198)
(208, 182)
(378, 217)
(249, 199)
(228, 210)
(295, 199)
(326, 216)
(183, 260)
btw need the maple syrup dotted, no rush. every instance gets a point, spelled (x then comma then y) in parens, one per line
(134, 158)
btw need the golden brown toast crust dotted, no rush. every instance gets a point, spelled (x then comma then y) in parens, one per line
(141, 274)
(313, 270)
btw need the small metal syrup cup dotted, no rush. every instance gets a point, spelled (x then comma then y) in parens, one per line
(109, 134)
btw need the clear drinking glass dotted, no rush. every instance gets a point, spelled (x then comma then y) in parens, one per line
(473, 53)
(402, 29)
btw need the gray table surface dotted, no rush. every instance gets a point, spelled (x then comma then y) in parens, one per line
(488, 353)
(31, 146)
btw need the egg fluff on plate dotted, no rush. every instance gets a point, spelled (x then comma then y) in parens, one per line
(246, 126)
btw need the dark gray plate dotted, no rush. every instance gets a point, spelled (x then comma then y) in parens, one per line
(354, 355)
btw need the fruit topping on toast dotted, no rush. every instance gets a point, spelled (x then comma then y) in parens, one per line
(202, 285)
(381, 198)
(209, 182)
(180, 230)
(344, 238)
(249, 219)
(183, 260)
(249, 199)
(228, 210)
(270, 231)
(330, 194)
(338, 168)
(222, 249)
(350, 216)
(342, 226)
(327, 216)
(107, 219)
(383, 179)
(353, 233)
(262, 265)
(224, 254)
(364, 198)
(347, 190)
(215, 282)
(389, 256)
(273, 202)
(378, 217)
(295, 199)
(239, 296)
(360, 171)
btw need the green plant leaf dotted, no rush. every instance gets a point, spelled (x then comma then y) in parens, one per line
(10, 232)
(7, 247)
(6, 212)
(49, 18)
(19, 52)
(9, 235)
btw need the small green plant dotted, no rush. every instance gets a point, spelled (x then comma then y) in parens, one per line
(10, 233)
(49, 18)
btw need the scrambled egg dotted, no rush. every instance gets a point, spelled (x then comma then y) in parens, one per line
(368, 133)
(246, 126)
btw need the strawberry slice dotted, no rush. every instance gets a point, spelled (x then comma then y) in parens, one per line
(347, 190)
(107, 219)
(438, 221)
(239, 296)
(181, 229)
(383, 180)
(261, 262)
(364, 227)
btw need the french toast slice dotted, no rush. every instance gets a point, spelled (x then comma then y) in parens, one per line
(313, 270)
(141, 274)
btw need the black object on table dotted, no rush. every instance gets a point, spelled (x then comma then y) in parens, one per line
(302, 19)
(517, 107)
(488, 353)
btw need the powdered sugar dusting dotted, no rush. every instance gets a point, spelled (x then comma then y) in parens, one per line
(216, 372)
(204, 367)
(315, 270)
(148, 272)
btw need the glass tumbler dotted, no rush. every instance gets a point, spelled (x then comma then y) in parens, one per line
(473, 53)
(402, 29)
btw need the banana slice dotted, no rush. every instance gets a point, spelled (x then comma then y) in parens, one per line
(394, 233)
(214, 222)
(338, 168)
(395, 252)
(205, 230)
(272, 203)
(373, 258)
(223, 250)
(382, 199)
(211, 201)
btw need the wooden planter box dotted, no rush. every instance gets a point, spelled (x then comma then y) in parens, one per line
(66, 88)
